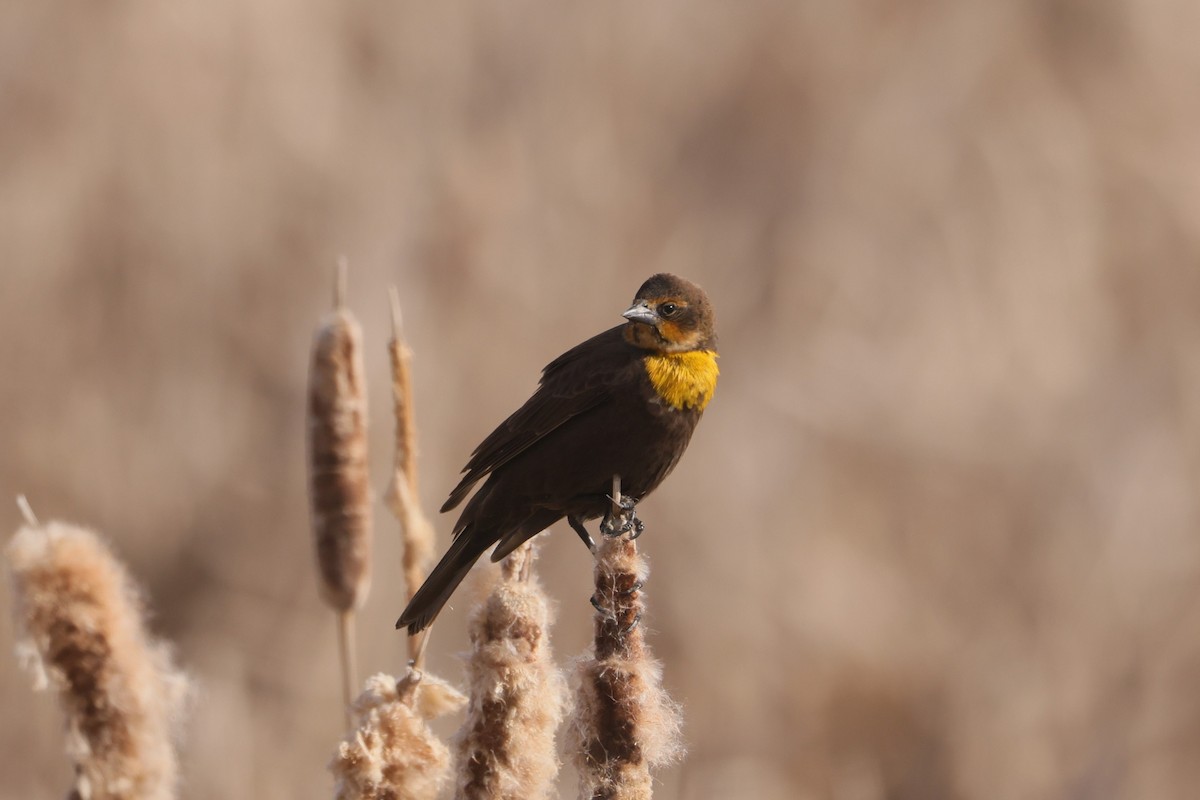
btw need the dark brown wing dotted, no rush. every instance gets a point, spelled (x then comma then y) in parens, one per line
(572, 384)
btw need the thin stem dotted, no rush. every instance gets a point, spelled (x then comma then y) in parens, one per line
(406, 428)
(348, 661)
(416, 649)
(26, 510)
(339, 285)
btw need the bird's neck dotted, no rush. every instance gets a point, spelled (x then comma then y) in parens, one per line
(684, 380)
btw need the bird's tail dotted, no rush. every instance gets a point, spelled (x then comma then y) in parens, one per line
(446, 576)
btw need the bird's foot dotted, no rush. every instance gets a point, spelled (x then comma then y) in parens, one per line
(625, 522)
(615, 526)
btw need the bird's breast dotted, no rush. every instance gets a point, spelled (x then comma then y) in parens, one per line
(684, 380)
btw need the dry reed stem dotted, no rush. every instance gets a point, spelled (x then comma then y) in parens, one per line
(82, 631)
(416, 530)
(624, 723)
(518, 697)
(402, 396)
(347, 659)
(391, 754)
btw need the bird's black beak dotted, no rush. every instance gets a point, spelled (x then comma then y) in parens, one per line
(641, 312)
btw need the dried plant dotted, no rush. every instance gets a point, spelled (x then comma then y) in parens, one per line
(391, 753)
(416, 530)
(340, 490)
(402, 397)
(506, 746)
(624, 723)
(82, 632)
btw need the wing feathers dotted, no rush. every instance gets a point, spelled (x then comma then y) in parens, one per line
(569, 387)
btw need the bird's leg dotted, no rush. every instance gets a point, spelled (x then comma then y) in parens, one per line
(577, 525)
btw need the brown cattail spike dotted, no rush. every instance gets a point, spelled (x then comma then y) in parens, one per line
(340, 490)
(82, 632)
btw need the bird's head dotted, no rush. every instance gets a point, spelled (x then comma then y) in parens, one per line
(671, 315)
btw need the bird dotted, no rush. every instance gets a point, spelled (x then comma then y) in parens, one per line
(624, 402)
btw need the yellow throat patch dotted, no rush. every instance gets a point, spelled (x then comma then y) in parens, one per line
(684, 380)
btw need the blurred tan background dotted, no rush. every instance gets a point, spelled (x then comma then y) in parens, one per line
(937, 536)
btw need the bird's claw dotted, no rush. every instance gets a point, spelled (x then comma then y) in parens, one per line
(630, 592)
(628, 520)
(639, 528)
(615, 526)
(612, 616)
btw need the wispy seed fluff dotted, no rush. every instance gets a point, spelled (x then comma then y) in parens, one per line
(518, 697)
(391, 754)
(82, 633)
(624, 723)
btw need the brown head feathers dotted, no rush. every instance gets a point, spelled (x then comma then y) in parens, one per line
(671, 315)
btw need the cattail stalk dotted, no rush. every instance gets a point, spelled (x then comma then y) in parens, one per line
(506, 746)
(82, 631)
(391, 751)
(340, 491)
(624, 723)
(415, 528)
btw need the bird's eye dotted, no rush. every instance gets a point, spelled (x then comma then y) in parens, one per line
(668, 309)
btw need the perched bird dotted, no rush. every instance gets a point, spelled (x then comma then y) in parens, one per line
(624, 402)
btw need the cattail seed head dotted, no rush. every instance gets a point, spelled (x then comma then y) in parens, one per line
(340, 490)
(506, 746)
(83, 634)
(391, 753)
(624, 722)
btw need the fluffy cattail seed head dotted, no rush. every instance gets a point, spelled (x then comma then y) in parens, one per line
(82, 633)
(391, 751)
(518, 696)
